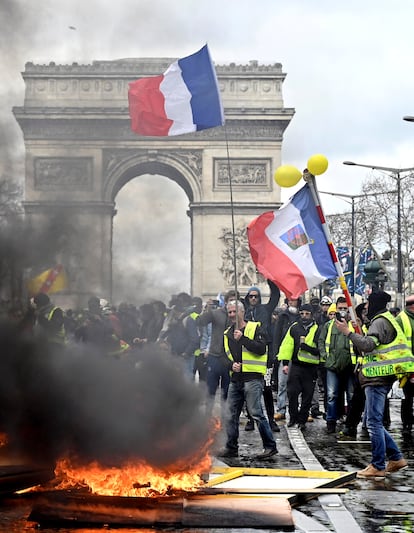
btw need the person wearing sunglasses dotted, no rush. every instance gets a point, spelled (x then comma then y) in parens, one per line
(256, 311)
(299, 356)
(338, 355)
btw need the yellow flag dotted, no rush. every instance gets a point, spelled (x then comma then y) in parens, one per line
(49, 281)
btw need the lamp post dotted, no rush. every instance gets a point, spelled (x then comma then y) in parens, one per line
(395, 174)
(352, 197)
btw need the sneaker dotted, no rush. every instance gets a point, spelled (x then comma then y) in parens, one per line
(227, 452)
(395, 466)
(302, 427)
(331, 427)
(267, 453)
(310, 418)
(370, 472)
(274, 427)
(347, 434)
(316, 413)
(291, 423)
(280, 416)
(249, 426)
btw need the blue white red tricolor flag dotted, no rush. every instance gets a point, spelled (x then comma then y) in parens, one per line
(186, 98)
(289, 246)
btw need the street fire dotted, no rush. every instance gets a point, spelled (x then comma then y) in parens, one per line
(3, 440)
(137, 480)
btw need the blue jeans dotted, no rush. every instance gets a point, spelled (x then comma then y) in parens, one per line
(382, 444)
(250, 392)
(281, 389)
(335, 384)
(217, 372)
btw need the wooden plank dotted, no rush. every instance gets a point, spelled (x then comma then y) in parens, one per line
(18, 477)
(235, 511)
(232, 473)
(277, 472)
(284, 490)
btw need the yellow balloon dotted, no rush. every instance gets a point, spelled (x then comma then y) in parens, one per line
(287, 176)
(317, 164)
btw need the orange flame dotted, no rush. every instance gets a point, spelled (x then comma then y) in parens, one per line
(3, 439)
(137, 479)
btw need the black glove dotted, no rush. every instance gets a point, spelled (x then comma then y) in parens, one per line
(309, 349)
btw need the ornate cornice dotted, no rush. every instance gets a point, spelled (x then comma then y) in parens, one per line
(116, 130)
(130, 67)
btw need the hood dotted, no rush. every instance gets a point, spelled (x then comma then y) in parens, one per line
(256, 289)
(377, 302)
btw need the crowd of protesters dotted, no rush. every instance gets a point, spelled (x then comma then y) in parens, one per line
(299, 356)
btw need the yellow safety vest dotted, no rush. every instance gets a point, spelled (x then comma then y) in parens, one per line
(328, 341)
(120, 346)
(60, 335)
(287, 346)
(406, 326)
(251, 362)
(194, 316)
(390, 359)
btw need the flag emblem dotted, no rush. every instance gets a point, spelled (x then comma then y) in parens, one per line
(295, 237)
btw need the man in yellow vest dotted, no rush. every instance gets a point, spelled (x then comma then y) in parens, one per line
(245, 347)
(299, 356)
(49, 320)
(338, 355)
(385, 355)
(406, 320)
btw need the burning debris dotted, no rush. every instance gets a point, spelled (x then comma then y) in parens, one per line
(96, 410)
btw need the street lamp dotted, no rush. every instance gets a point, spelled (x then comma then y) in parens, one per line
(395, 174)
(353, 239)
(352, 197)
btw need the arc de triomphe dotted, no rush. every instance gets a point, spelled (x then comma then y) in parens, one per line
(80, 152)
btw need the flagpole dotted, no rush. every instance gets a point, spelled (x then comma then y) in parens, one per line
(232, 221)
(310, 179)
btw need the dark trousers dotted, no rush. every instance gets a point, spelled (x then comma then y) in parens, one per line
(407, 406)
(301, 381)
(217, 374)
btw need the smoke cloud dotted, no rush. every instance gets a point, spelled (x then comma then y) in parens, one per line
(78, 402)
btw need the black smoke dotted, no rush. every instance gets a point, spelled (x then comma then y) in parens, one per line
(77, 402)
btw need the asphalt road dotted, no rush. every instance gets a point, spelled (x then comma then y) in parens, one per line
(377, 506)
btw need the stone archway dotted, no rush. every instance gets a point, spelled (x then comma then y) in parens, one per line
(80, 152)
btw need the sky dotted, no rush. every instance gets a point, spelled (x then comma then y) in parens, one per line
(348, 68)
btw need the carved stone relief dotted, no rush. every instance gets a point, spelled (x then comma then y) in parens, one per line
(191, 158)
(63, 173)
(244, 172)
(247, 274)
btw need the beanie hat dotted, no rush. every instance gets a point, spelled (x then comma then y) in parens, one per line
(41, 299)
(306, 307)
(377, 301)
(256, 289)
(326, 300)
(332, 308)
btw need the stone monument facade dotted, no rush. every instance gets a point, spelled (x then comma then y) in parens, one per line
(80, 152)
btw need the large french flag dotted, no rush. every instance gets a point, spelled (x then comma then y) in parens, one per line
(289, 246)
(186, 98)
